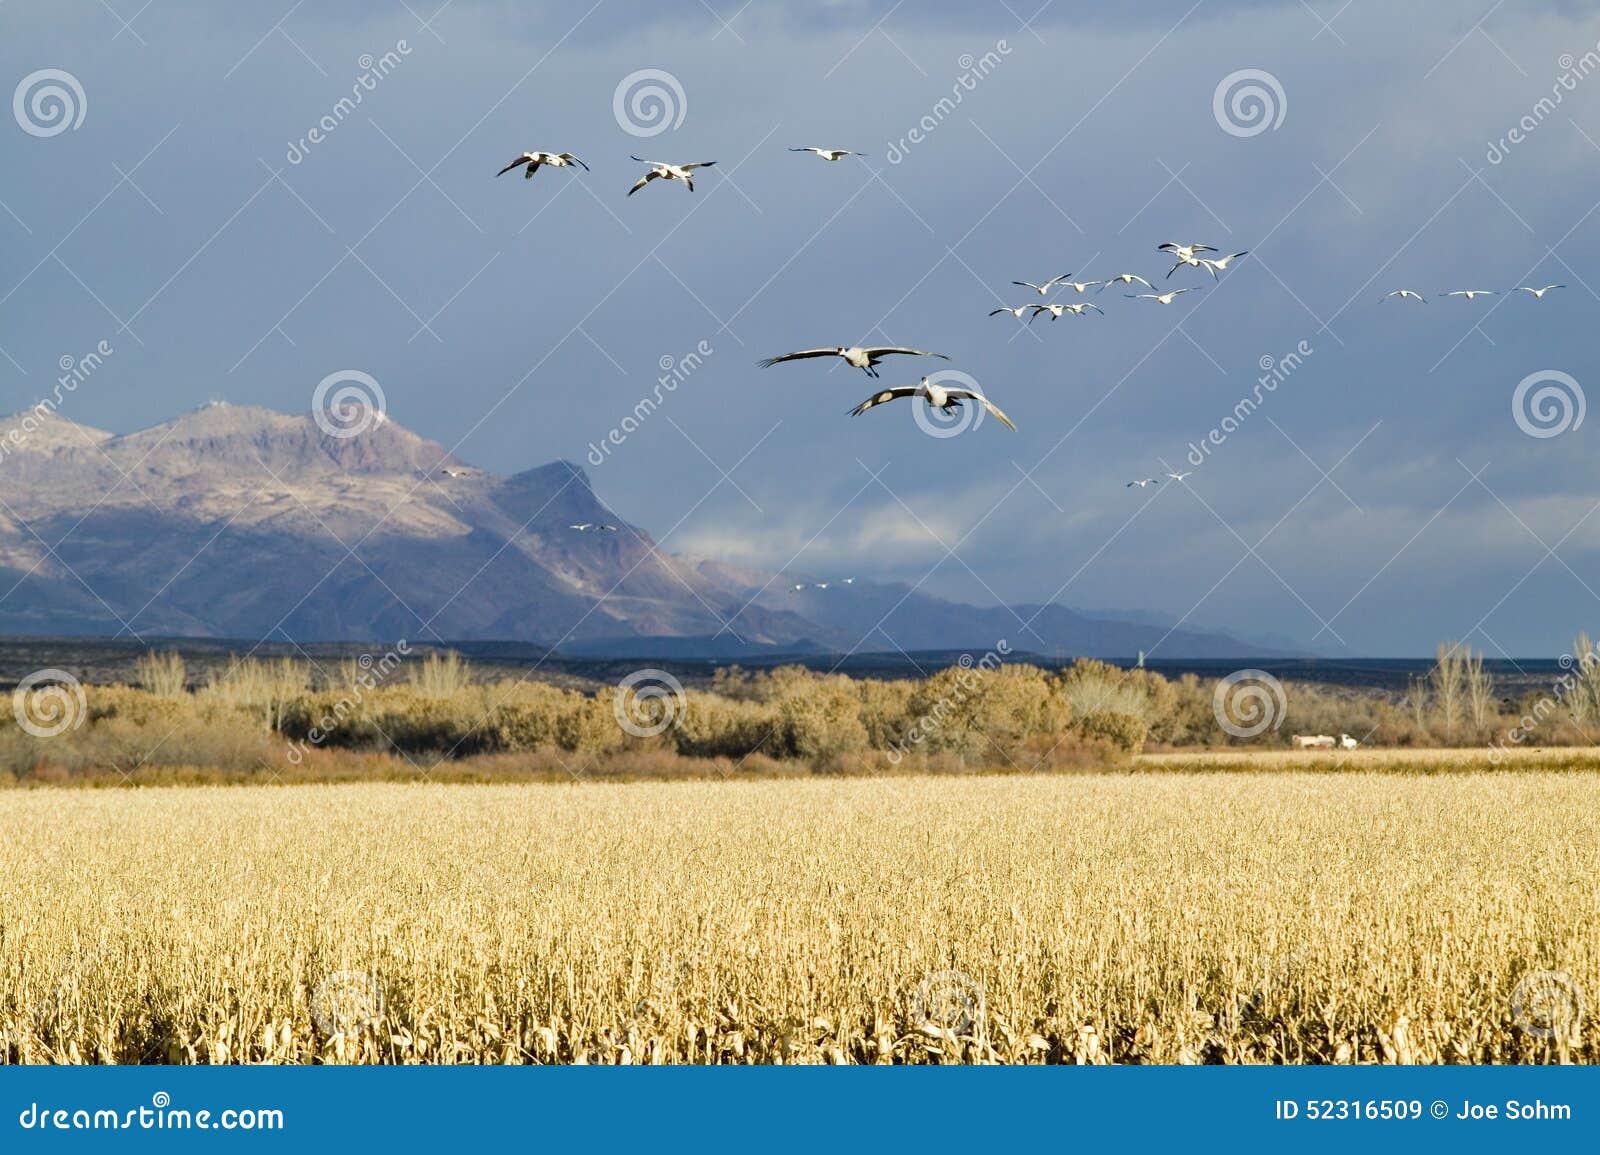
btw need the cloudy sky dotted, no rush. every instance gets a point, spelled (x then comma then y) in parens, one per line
(1387, 492)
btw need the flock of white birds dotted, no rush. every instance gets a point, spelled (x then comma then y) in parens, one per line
(949, 398)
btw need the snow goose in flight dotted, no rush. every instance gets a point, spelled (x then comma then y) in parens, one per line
(1184, 253)
(1471, 293)
(1537, 293)
(1180, 476)
(1044, 289)
(1160, 298)
(1015, 310)
(862, 357)
(660, 170)
(1142, 482)
(534, 159)
(829, 153)
(1220, 263)
(593, 527)
(1127, 279)
(1056, 309)
(1404, 293)
(937, 396)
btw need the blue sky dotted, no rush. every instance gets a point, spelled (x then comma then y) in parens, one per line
(1381, 498)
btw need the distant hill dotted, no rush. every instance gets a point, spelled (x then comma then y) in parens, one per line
(239, 522)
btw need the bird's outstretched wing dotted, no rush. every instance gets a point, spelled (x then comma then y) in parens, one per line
(644, 180)
(885, 395)
(769, 362)
(1028, 285)
(699, 164)
(890, 350)
(969, 395)
(525, 158)
(569, 157)
(1095, 307)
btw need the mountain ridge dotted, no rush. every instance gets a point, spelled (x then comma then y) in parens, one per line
(365, 537)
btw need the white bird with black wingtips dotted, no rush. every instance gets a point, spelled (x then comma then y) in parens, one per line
(1142, 482)
(535, 159)
(1536, 294)
(1128, 279)
(1057, 308)
(936, 395)
(1469, 294)
(1159, 298)
(1220, 263)
(863, 357)
(660, 170)
(829, 153)
(1044, 289)
(1406, 294)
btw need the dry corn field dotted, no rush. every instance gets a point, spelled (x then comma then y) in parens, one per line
(1360, 917)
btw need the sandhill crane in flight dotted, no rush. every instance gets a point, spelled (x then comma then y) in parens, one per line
(1142, 482)
(1537, 293)
(829, 153)
(865, 358)
(1044, 289)
(1404, 293)
(1160, 298)
(937, 396)
(1471, 293)
(534, 159)
(660, 170)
